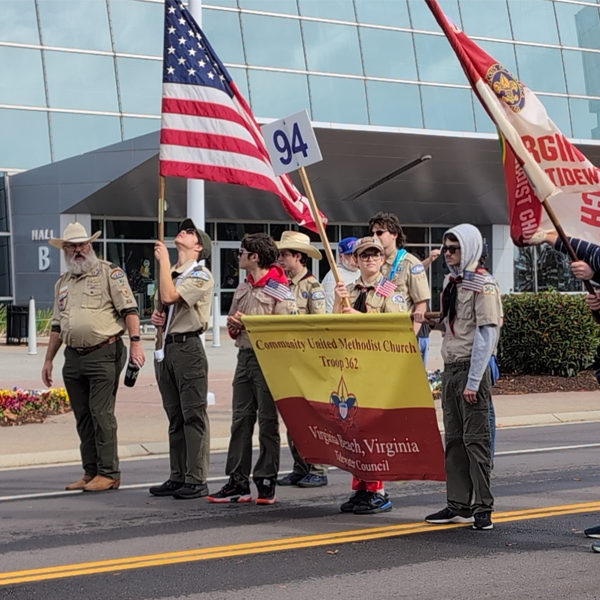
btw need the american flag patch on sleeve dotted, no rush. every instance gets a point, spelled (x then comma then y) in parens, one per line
(385, 287)
(474, 281)
(277, 290)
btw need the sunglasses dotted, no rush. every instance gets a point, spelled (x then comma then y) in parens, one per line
(73, 247)
(190, 231)
(379, 232)
(451, 249)
(366, 257)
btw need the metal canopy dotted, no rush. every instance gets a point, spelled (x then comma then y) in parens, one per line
(463, 182)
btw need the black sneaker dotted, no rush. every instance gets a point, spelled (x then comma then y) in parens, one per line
(372, 503)
(593, 532)
(188, 491)
(266, 491)
(483, 520)
(168, 488)
(596, 547)
(348, 506)
(232, 492)
(313, 481)
(291, 479)
(446, 516)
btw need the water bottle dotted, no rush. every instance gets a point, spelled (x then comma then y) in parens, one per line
(131, 374)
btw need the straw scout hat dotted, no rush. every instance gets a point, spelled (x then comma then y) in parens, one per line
(299, 242)
(74, 233)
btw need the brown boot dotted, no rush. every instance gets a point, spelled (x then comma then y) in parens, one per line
(101, 484)
(79, 485)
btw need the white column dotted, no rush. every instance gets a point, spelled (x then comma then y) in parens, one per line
(195, 187)
(503, 257)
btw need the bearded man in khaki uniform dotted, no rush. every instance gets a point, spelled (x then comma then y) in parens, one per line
(265, 292)
(294, 251)
(185, 291)
(93, 304)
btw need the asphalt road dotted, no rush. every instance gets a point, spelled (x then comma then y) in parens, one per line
(129, 545)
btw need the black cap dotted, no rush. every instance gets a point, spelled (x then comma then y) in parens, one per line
(202, 236)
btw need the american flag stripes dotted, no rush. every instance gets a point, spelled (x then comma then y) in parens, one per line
(385, 287)
(277, 290)
(473, 281)
(208, 130)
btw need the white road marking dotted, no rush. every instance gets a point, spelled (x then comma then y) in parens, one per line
(549, 449)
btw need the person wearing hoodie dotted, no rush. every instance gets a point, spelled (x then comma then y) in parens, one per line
(471, 314)
(264, 292)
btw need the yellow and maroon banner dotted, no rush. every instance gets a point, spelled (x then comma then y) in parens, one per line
(353, 392)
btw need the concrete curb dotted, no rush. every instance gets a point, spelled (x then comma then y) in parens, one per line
(57, 457)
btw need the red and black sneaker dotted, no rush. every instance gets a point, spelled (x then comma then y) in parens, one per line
(266, 491)
(232, 491)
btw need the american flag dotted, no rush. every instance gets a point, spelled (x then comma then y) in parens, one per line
(277, 290)
(385, 287)
(473, 281)
(208, 130)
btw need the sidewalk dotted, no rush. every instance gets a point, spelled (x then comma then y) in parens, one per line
(143, 425)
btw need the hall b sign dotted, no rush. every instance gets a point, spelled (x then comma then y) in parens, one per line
(42, 235)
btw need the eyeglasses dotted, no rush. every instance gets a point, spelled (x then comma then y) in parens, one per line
(379, 232)
(367, 257)
(451, 249)
(243, 251)
(73, 247)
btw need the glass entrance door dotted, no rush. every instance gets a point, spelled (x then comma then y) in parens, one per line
(227, 274)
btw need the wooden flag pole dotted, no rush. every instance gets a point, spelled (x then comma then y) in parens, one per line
(162, 185)
(321, 228)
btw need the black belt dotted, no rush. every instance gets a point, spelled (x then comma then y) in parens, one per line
(178, 338)
(89, 349)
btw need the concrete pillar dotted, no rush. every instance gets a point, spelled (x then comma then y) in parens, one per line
(503, 257)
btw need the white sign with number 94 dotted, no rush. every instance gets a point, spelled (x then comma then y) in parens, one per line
(291, 143)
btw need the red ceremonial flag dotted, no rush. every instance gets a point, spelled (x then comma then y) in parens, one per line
(539, 162)
(208, 130)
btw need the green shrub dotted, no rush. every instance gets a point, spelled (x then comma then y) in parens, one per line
(547, 334)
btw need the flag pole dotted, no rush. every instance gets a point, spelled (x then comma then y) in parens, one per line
(162, 185)
(321, 229)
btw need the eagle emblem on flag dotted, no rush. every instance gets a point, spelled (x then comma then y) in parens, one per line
(343, 405)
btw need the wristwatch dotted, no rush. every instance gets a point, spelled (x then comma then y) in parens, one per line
(135, 338)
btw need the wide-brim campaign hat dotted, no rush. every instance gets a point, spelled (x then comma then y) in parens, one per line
(367, 242)
(203, 238)
(74, 233)
(299, 242)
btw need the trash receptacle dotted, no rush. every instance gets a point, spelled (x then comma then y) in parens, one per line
(17, 324)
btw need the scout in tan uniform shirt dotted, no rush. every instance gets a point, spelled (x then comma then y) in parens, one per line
(265, 292)
(294, 251)
(93, 305)
(369, 498)
(403, 268)
(471, 313)
(182, 374)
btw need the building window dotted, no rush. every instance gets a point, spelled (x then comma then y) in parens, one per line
(541, 269)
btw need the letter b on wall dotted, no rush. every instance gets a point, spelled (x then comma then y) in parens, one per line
(43, 258)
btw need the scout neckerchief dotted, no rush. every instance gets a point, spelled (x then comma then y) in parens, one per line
(360, 304)
(472, 281)
(386, 286)
(178, 282)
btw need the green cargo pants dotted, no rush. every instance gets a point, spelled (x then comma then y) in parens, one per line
(301, 467)
(252, 400)
(467, 435)
(183, 383)
(91, 381)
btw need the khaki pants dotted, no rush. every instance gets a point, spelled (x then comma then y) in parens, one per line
(252, 401)
(91, 381)
(301, 467)
(468, 452)
(183, 383)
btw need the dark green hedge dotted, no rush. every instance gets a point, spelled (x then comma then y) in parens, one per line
(547, 334)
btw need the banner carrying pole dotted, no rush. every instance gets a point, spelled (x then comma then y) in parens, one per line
(162, 185)
(317, 218)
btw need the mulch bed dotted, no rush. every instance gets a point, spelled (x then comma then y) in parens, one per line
(542, 384)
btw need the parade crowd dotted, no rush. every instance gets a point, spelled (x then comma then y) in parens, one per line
(94, 306)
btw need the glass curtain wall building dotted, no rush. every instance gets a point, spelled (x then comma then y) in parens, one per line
(82, 74)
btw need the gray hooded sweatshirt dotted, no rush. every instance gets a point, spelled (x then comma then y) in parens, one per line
(471, 247)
